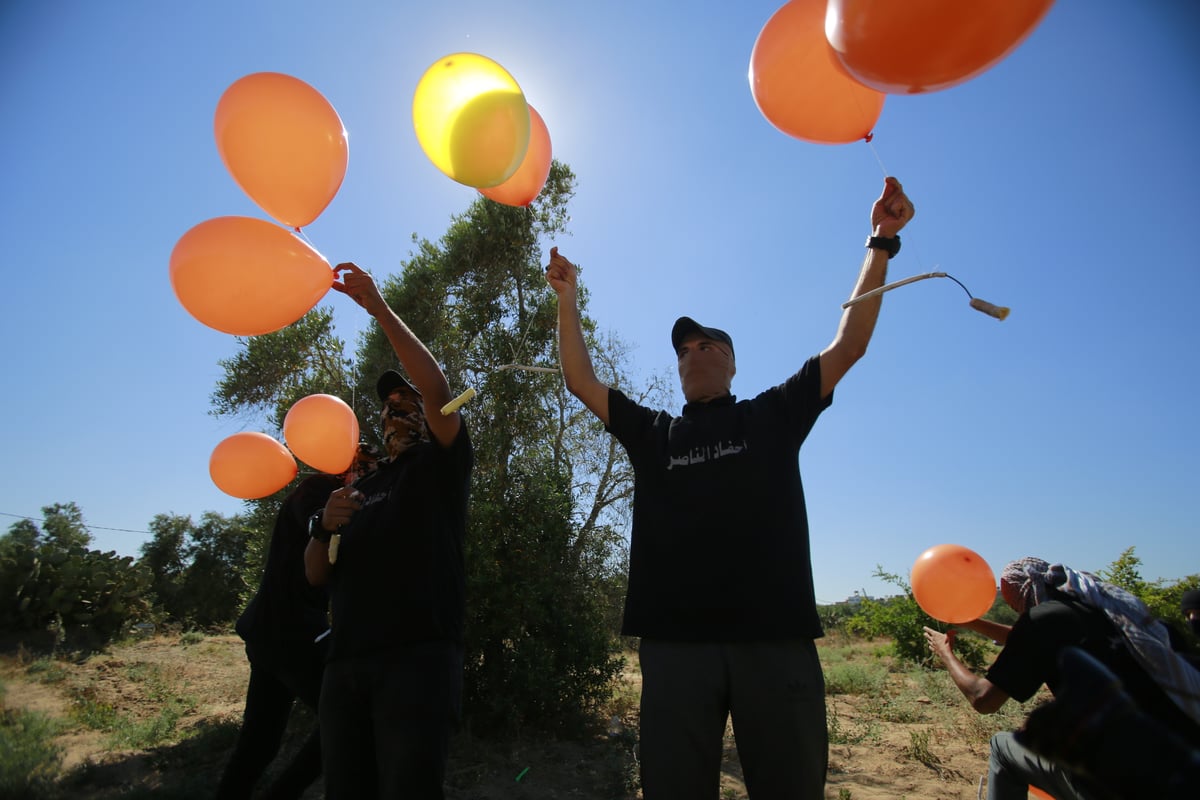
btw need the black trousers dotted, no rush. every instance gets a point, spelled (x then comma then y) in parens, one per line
(775, 693)
(276, 682)
(386, 721)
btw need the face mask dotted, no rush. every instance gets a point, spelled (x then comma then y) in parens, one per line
(403, 423)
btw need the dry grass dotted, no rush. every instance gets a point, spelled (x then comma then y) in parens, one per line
(156, 718)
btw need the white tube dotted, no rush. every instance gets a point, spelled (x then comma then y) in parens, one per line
(890, 286)
(457, 403)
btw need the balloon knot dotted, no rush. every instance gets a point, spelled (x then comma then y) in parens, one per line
(869, 137)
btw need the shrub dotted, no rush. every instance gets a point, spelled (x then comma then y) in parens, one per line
(29, 759)
(902, 620)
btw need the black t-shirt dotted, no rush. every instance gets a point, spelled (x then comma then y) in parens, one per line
(399, 577)
(720, 543)
(1030, 658)
(286, 611)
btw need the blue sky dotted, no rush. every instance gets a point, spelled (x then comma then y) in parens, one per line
(1059, 183)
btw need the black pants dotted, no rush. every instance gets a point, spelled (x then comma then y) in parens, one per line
(775, 692)
(386, 721)
(276, 682)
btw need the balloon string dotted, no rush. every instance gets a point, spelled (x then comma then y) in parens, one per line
(304, 236)
(876, 154)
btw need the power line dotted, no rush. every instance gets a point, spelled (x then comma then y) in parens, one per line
(89, 527)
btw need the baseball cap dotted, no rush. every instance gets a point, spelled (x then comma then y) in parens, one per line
(1190, 600)
(686, 326)
(390, 381)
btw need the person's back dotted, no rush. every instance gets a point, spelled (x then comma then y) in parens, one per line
(1031, 655)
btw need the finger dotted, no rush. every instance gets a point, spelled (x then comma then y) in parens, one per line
(890, 187)
(553, 252)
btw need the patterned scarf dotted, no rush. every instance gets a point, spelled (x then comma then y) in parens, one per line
(403, 423)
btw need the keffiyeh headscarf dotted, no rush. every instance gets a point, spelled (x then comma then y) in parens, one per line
(1027, 577)
(1146, 636)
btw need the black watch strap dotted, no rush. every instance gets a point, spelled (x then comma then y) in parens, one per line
(890, 244)
(316, 530)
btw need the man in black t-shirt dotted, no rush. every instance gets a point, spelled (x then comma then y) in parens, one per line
(1060, 609)
(390, 549)
(720, 578)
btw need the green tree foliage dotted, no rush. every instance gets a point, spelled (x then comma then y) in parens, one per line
(545, 553)
(1125, 572)
(53, 584)
(198, 577)
(902, 620)
(1162, 597)
(273, 371)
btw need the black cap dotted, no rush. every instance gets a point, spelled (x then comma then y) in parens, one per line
(390, 381)
(685, 326)
(1190, 600)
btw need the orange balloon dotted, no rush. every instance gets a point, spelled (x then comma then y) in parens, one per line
(953, 584)
(927, 45)
(323, 432)
(247, 276)
(800, 87)
(526, 183)
(284, 145)
(250, 465)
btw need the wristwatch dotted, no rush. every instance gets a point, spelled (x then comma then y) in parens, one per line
(316, 530)
(890, 244)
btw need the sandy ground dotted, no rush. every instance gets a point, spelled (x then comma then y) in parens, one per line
(942, 754)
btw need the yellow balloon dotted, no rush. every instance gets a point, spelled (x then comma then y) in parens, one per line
(471, 119)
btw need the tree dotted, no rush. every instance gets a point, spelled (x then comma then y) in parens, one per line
(164, 556)
(1162, 597)
(198, 578)
(550, 490)
(54, 584)
(1124, 573)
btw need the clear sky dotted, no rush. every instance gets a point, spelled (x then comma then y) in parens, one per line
(1060, 183)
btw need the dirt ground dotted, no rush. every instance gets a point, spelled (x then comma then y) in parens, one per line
(940, 757)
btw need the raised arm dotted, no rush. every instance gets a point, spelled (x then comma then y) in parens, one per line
(890, 213)
(418, 362)
(573, 354)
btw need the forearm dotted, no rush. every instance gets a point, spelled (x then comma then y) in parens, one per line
(858, 321)
(316, 562)
(573, 354)
(995, 631)
(418, 362)
(983, 696)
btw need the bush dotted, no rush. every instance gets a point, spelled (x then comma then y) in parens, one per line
(29, 759)
(85, 598)
(902, 620)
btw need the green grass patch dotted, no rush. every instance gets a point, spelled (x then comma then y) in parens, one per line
(852, 677)
(29, 759)
(46, 670)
